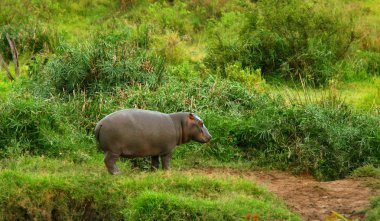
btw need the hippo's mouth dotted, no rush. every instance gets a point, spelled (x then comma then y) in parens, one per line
(206, 140)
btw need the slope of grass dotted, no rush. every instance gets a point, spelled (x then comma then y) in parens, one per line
(363, 94)
(43, 188)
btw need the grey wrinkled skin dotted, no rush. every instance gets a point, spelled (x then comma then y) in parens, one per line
(140, 133)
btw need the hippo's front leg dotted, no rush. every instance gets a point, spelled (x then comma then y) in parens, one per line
(110, 161)
(155, 162)
(166, 161)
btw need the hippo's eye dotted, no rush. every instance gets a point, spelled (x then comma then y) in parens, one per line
(200, 124)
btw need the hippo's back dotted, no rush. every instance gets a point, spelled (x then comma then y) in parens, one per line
(134, 132)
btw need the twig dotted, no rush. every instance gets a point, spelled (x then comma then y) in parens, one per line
(5, 67)
(14, 54)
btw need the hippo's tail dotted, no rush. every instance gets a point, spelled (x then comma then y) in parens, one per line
(97, 132)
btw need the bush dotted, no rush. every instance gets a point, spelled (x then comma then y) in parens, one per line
(107, 63)
(327, 141)
(36, 126)
(288, 38)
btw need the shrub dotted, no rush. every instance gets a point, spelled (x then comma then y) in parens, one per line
(288, 38)
(327, 141)
(36, 126)
(102, 65)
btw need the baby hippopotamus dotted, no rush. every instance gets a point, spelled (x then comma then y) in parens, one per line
(140, 133)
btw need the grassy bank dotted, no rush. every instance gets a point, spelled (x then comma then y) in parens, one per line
(42, 188)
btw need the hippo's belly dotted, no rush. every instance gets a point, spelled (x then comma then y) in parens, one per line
(135, 133)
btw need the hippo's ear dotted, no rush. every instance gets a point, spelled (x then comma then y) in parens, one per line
(191, 116)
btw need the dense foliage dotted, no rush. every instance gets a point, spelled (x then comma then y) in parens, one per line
(102, 65)
(288, 38)
(325, 140)
(83, 60)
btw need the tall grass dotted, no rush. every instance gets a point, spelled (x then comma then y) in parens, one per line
(328, 140)
(37, 126)
(101, 65)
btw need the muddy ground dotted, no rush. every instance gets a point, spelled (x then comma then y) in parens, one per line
(313, 199)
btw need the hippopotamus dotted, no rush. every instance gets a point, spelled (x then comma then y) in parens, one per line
(140, 133)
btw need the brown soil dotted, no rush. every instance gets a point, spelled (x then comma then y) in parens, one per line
(313, 199)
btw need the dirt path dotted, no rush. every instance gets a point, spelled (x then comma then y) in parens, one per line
(312, 199)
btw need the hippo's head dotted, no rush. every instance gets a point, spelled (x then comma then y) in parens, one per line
(197, 129)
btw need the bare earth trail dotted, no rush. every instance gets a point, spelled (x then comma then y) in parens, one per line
(313, 199)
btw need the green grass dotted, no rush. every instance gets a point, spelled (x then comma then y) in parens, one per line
(367, 171)
(75, 184)
(4, 85)
(373, 213)
(372, 175)
(362, 95)
(80, 20)
(43, 188)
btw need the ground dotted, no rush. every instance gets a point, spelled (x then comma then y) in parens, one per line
(313, 199)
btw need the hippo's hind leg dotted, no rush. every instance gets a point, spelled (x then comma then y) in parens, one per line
(155, 162)
(110, 161)
(166, 161)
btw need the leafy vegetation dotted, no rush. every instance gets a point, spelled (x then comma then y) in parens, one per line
(103, 65)
(290, 38)
(326, 140)
(232, 62)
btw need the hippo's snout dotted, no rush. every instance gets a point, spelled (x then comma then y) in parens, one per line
(206, 135)
(208, 138)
